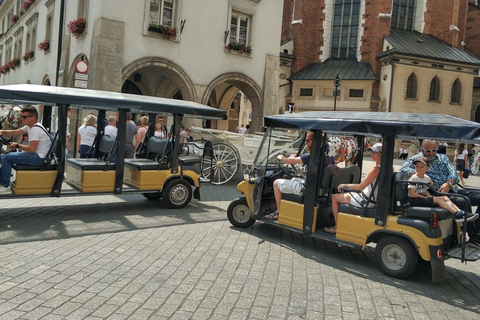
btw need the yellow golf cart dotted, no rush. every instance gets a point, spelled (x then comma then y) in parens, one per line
(401, 233)
(164, 174)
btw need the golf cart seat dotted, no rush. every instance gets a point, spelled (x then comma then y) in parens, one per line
(400, 192)
(91, 174)
(37, 179)
(155, 146)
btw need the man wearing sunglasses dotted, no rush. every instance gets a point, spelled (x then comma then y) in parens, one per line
(445, 177)
(31, 154)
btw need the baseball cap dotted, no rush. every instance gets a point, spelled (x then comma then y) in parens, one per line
(377, 147)
(422, 160)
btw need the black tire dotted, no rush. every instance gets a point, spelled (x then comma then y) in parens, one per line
(239, 214)
(396, 257)
(152, 196)
(176, 194)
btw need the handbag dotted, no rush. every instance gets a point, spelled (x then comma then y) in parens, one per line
(466, 173)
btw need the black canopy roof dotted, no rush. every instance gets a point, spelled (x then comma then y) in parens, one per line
(418, 125)
(102, 100)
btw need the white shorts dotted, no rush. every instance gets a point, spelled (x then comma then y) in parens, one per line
(293, 186)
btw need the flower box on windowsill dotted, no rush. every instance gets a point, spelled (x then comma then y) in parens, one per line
(44, 46)
(5, 68)
(14, 63)
(239, 49)
(165, 32)
(28, 56)
(77, 27)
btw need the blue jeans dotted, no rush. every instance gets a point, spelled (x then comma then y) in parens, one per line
(23, 158)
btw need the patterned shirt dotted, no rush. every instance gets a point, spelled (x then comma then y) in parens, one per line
(441, 170)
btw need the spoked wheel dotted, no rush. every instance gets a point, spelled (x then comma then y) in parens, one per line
(474, 165)
(176, 194)
(396, 256)
(223, 165)
(239, 214)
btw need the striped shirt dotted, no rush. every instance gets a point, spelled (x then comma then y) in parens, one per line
(441, 170)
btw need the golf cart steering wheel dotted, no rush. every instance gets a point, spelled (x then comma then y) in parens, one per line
(287, 169)
(4, 141)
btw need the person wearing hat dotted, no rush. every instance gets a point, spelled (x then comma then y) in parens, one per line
(420, 197)
(366, 187)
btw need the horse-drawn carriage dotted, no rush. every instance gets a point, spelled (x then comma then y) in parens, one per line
(232, 150)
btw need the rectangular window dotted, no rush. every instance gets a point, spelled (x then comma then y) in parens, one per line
(162, 12)
(239, 28)
(403, 13)
(48, 28)
(345, 28)
(355, 93)
(83, 9)
(306, 92)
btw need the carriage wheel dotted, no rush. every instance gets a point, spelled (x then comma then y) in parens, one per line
(474, 166)
(223, 166)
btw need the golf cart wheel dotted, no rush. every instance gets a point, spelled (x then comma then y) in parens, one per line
(239, 214)
(177, 194)
(152, 196)
(396, 256)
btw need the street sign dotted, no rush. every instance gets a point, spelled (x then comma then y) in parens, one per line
(81, 66)
(337, 82)
(336, 93)
(81, 76)
(82, 84)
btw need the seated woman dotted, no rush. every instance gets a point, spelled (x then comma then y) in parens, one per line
(366, 187)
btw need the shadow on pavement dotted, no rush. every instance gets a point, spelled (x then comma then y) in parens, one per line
(461, 288)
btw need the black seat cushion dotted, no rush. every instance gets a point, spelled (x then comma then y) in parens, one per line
(145, 164)
(425, 213)
(292, 197)
(189, 160)
(50, 166)
(90, 164)
(359, 211)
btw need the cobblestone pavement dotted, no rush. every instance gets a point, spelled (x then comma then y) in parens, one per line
(124, 257)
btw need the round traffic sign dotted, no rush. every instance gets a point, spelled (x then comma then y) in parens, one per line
(81, 66)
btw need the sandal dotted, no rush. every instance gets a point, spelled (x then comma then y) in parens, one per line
(272, 216)
(331, 230)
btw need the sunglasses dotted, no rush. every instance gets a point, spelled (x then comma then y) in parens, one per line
(429, 151)
(25, 117)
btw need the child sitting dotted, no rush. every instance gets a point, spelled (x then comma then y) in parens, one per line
(420, 197)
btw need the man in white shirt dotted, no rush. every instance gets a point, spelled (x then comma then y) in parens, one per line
(111, 129)
(32, 154)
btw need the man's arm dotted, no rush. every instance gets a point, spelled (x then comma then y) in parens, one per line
(408, 167)
(12, 133)
(290, 160)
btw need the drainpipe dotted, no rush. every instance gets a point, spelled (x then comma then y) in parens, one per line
(60, 39)
(391, 62)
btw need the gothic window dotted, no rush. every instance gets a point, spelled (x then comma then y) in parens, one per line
(434, 94)
(403, 13)
(456, 91)
(412, 85)
(345, 28)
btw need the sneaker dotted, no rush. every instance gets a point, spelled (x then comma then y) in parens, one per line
(5, 190)
(460, 215)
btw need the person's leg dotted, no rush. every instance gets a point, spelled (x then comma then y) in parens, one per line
(445, 203)
(277, 193)
(473, 196)
(23, 158)
(337, 199)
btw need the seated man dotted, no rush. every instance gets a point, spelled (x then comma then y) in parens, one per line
(292, 186)
(32, 154)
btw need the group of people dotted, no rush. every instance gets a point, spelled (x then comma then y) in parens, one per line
(427, 168)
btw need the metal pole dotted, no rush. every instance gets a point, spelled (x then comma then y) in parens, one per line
(60, 39)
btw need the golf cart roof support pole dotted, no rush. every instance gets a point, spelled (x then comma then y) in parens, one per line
(100, 131)
(152, 119)
(177, 120)
(384, 180)
(120, 162)
(311, 184)
(360, 152)
(62, 142)
(47, 117)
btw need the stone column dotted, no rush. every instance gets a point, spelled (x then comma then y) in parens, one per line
(106, 55)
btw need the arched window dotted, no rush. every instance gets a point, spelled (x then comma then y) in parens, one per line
(456, 91)
(434, 94)
(412, 85)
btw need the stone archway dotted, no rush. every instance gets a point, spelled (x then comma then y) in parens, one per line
(224, 84)
(160, 77)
